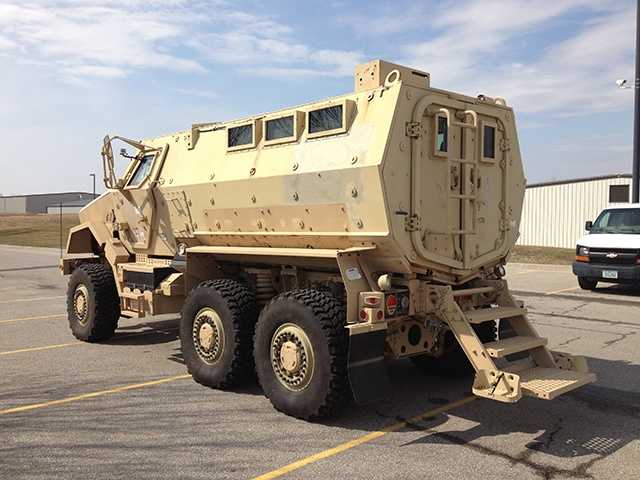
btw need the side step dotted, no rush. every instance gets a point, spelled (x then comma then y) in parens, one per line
(487, 314)
(548, 383)
(502, 348)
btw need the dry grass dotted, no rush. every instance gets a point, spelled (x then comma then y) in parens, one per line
(549, 255)
(35, 230)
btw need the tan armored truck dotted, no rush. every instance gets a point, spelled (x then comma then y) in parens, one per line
(314, 242)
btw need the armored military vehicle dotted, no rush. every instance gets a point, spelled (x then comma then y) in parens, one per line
(312, 243)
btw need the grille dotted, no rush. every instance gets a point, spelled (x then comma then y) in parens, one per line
(613, 256)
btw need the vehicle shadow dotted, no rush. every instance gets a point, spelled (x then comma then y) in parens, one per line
(618, 289)
(592, 422)
(153, 332)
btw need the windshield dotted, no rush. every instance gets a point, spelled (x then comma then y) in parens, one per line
(621, 220)
(142, 170)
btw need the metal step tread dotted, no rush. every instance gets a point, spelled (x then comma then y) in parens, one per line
(486, 314)
(507, 346)
(548, 383)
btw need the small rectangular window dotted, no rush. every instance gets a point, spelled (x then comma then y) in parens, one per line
(239, 136)
(489, 142)
(279, 128)
(325, 119)
(442, 140)
(619, 194)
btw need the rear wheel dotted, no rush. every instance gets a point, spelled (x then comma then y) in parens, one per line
(216, 329)
(453, 362)
(587, 283)
(300, 348)
(93, 304)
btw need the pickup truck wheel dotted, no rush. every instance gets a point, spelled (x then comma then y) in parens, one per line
(300, 348)
(216, 329)
(93, 304)
(587, 283)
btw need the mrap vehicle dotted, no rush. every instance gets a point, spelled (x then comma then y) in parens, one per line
(312, 243)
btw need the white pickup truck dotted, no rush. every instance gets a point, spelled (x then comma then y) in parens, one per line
(610, 252)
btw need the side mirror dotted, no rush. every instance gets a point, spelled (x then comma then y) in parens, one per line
(588, 226)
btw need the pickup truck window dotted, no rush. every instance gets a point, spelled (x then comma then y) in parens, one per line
(618, 220)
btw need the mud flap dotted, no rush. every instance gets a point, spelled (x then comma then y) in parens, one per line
(367, 371)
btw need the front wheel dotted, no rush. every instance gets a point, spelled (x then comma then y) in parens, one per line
(300, 348)
(587, 283)
(93, 304)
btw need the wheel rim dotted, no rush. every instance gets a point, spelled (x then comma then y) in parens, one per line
(292, 357)
(81, 303)
(208, 335)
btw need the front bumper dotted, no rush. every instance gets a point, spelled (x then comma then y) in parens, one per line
(626, 273)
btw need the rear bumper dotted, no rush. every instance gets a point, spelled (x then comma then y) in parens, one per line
(626, 273)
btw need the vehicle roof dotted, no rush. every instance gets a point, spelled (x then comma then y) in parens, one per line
(621, 206)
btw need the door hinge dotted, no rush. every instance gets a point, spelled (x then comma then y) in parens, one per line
(413, 223)
(413, 129)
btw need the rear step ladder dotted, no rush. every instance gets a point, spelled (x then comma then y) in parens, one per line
(543, 374)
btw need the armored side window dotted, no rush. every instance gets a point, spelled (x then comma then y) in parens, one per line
(489, 142)
(239, 136)
(442, 138)
(279, 128)
(324, 119)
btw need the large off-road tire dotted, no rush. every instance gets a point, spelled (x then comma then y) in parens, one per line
(587, 283)
(93, 304)
(216, 333)
(453, 362)
(300, 348)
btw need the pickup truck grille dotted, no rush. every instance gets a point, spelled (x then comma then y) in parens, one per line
(613, 256)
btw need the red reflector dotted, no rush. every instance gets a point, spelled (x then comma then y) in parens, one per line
(363, 315)
(392, 303)
(379, 315)
(372, 301)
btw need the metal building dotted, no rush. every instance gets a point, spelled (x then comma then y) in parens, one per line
(554, 213)
(39, 203)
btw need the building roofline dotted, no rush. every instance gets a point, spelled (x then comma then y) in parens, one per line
(43, 194)
(579, 180)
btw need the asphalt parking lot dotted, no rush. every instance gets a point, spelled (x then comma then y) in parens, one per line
(126, 409)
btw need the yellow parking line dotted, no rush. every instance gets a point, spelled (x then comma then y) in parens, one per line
(35, 349)
(60, 345)
(86, 396)
(360, 440)
(561, 291)
(32, 299)
(42, 317)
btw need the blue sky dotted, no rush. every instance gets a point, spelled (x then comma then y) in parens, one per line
(73, 70)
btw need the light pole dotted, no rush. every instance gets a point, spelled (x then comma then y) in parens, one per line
(93, 175)
(635, 189)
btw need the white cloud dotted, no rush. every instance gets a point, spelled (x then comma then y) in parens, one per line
(474, 46)
(112, 38)
(85, 38)
(95, 71)
(272, 51)
(197, 93)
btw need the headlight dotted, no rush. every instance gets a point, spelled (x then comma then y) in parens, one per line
(583, 251)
